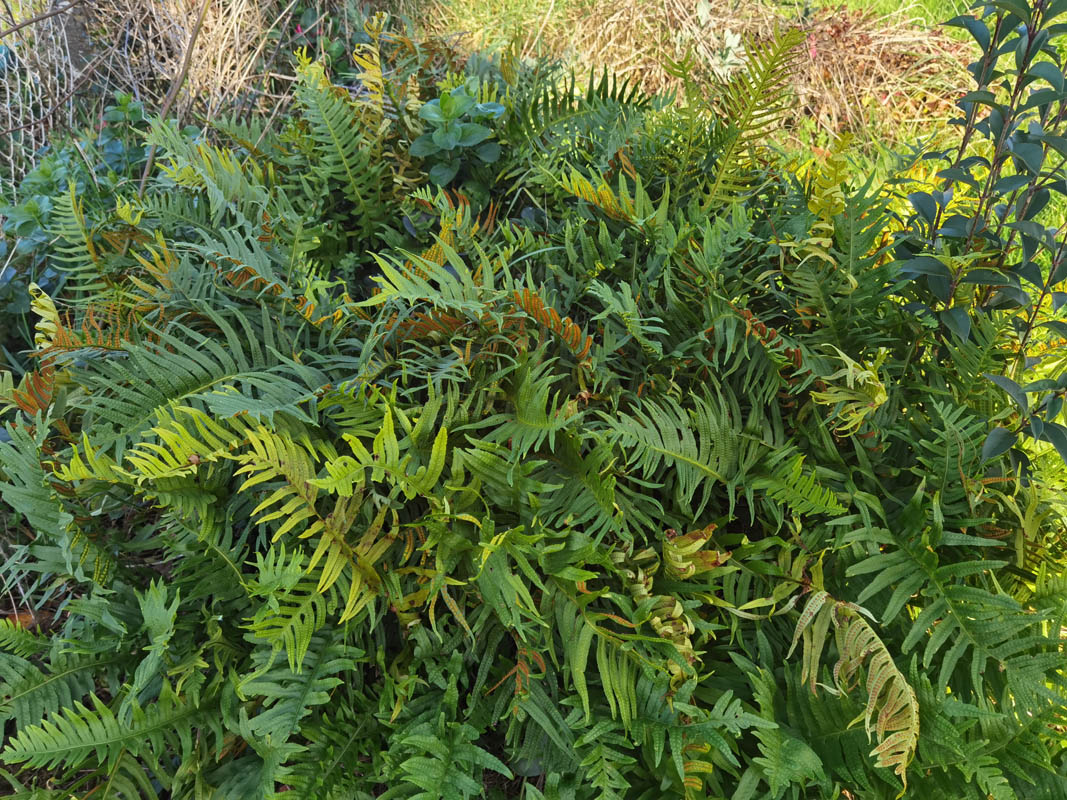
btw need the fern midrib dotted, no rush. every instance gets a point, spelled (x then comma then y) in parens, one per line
(337, 144)
(133, 732)
(55, 676)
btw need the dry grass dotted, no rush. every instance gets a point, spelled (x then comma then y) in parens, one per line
(874, 75)
(151, 36)
(41, 71)
(61, 71)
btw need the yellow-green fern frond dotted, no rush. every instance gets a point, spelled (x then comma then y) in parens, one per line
(187, 438)
(369, 61)
(48, 322)
(862, 394)
(892, 710)
(752, 104)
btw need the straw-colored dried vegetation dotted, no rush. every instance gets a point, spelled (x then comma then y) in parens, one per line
(862, 71)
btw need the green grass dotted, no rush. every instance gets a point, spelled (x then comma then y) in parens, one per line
(927, 12)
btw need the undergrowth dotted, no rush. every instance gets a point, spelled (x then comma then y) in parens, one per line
(616, 459)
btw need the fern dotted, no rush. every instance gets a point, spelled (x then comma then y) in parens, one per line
(798, 489)
(753, 102)
(448, 755)
(888, 693)
(291, 695)
(338, 136)
(697, 452)
(297, 609)
(326, 483)
(28, 694)
(75, 734)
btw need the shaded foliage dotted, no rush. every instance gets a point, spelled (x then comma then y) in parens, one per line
(342, 484)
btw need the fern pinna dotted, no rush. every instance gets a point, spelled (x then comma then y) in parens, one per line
(543, 512)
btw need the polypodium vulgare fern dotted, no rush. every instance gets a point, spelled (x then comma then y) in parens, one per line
(751, 104)
(892, 710)
(533, 514)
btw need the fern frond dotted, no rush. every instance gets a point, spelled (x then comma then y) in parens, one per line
(295, 610)
(619, 303)
(685, 556)
(753, 103)
(289, 696)
(799, 489)
(29, 491)
(673, 446)
(75, 734)
(889, 695)
(537, 417)
(232, 183)
(564, 327)
(18, 640)
(958, 619)
(339, 134)
(188, 367)
(273, 457)
(29, 694)
(76, 246)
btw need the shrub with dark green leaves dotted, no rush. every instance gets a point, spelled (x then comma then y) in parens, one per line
(659, 475)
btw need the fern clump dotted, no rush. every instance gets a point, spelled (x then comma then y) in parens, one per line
(352, 467)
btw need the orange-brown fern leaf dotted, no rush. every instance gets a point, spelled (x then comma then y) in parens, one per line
(423, 326)
(601, 196)
(106, 327)
(487, 223)
(620, 161)
(36, 390)
(564, 327)
(266, 235)
(243, 276)
(308, 308)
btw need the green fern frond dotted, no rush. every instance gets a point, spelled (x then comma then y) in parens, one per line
(27, 488)
(799, 489)
(289, 696)
(340, 138)
(784, 758)
(294, 611)
(232, 184)
(30, 491)
(753, 103)
(278, 458)
(444, 760)
(620, 303)
(958, 619)
(77, 246)
(188, 367)
(538, 415)
(673, 446)
(19, 641)
(28, 694)
(73, 735)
